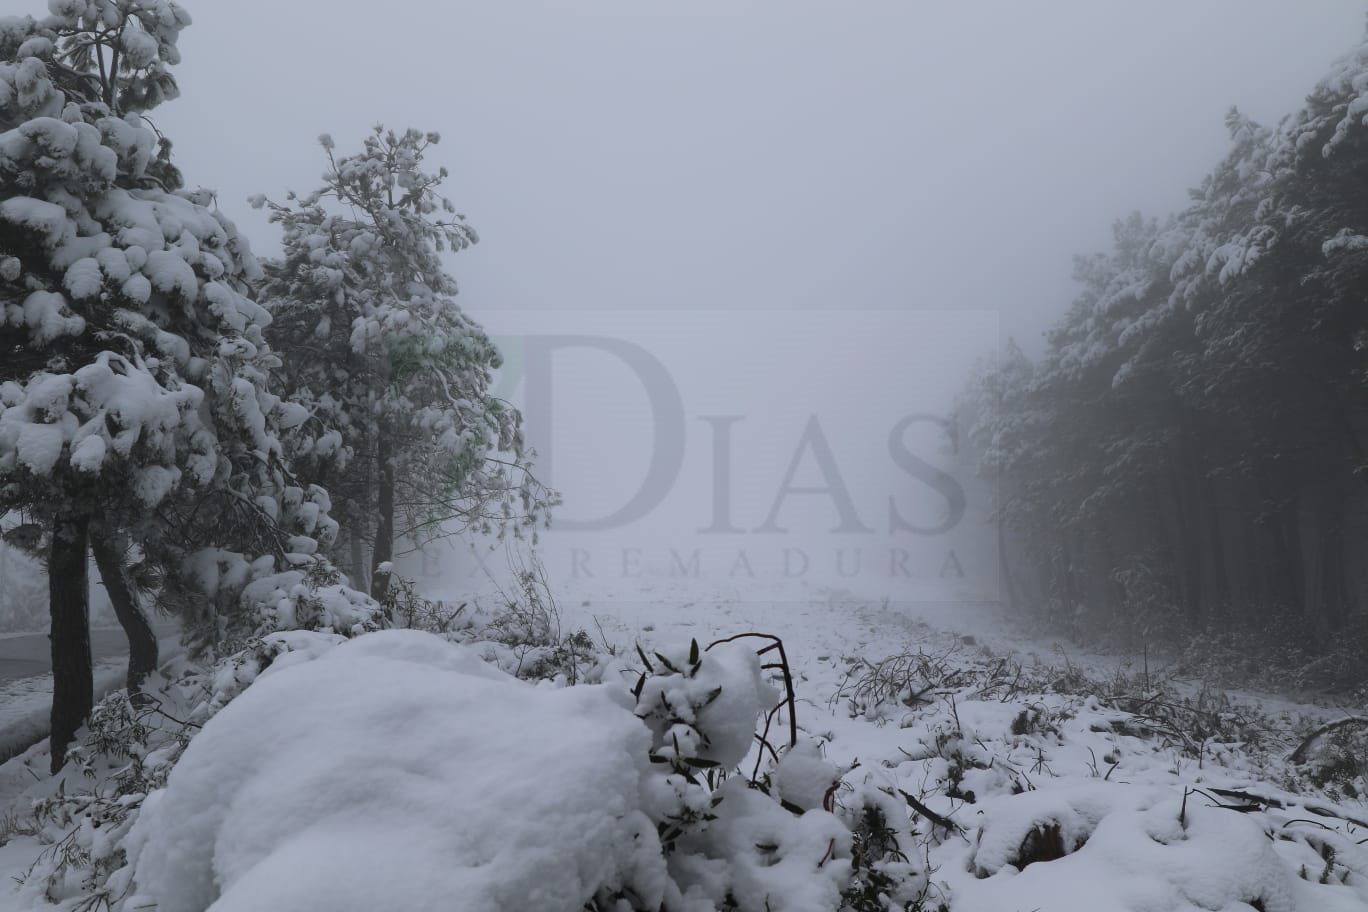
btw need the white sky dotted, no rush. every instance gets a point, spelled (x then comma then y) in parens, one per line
(777, 156)
(722, 154)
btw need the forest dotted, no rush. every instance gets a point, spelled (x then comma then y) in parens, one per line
(1187, 459)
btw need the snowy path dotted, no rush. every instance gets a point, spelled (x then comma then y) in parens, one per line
(25, 704)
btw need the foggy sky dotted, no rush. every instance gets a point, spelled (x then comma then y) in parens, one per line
(795, 154)
(875, 158)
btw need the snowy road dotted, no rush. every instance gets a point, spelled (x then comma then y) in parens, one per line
(26, 682)
(27, 656)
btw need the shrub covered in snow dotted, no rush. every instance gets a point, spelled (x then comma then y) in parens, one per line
(429, 773)
(395, 769)
(426, 772)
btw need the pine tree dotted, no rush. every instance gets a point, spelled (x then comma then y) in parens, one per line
(395, 376)
(134, 411)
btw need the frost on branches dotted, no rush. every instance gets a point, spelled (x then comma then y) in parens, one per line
(403, 429)
(133, 366)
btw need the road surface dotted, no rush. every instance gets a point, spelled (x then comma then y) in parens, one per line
(27, 656)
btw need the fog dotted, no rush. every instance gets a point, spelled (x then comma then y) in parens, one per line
(789, 216)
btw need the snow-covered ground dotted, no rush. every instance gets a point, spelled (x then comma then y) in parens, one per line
(1114, 788)
(1034, 778)
(26, 703)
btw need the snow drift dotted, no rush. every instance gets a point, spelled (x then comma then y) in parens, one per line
(394, 769)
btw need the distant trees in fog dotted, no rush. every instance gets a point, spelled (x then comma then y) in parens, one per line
(1189, 453)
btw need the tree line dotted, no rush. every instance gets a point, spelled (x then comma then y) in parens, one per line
(239, 442)
(1189, 452)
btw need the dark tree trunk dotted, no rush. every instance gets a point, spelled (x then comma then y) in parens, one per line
(1110, 590)
(1327, 595)
(1005, 567)
(384, 521)
(73, 687)
(1217, 584)
(1073, 598)
(142, 641)
(357, 557)
(1188, 543)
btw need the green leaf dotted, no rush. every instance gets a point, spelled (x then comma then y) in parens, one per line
(644, 661)
(701, 763)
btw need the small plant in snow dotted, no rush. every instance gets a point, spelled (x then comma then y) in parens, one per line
(128, 752)
(886, 874)
(404, 606)
(897, 683)
(762, 842)
(1339, 764)
(528, 638)
(675, 698)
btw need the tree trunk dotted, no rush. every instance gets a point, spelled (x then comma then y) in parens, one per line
(73, 687)
(384, 523)
(1217, 586)
(142, 642)
(1005, 567)
(357, 556)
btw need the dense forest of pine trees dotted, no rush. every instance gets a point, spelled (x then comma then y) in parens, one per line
(1189, 453)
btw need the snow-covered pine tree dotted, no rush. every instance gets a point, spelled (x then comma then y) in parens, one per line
(133, 368)
(395, 376)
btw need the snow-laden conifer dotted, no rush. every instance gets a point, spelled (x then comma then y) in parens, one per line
(134, 410)
(396, 377)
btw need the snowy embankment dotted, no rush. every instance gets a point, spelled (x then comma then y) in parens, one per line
(26, 703)
(399, 771)
(394, 770)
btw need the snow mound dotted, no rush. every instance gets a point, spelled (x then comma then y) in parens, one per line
(804, 777)
(394, 769)
(1165, 857)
